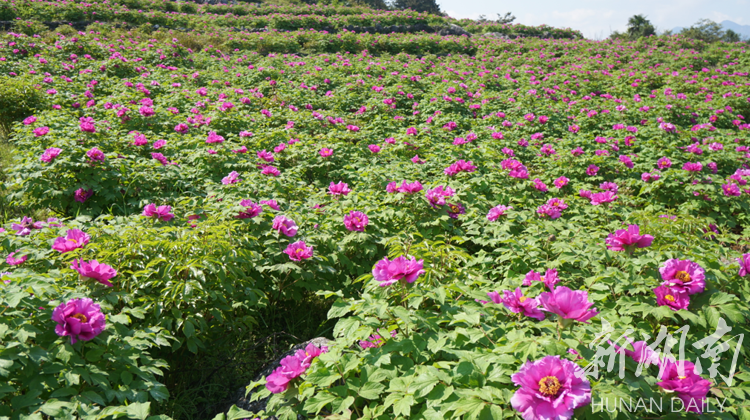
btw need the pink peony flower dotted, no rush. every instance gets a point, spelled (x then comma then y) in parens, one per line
(159, 144)
(50, 154)
(374, 341)
(291, 367)
(299, 251)
(79, 319)
(250, 210)
(87, 124)
(214, 138)
(11, 260)
(270, 171)
(628, 239)
(340, 188)
(561, 182)
(266, 156)
(454, 209)
(437, 195)
(603, 197)
(680, 378)
(399, 270)
(592, 170)
(664, 163)
(270, 203)
(683, 274)
(731, 190)
(497, 211)
(460, 166)
(356, 221)
(550, 278)
(517, 303)
(572, 305)
(82, 195)
(374, 148)
(181, 128)
(74, 239)
(284, 225)
(95, 155)
(675, 298)
(744, 261)
(692, 167)
(326, 152)
(232, 178)
(641, 352)
(29, 120)
(551, 388)
(41, 131)
(162, 212)
(94, 270)
(409, 188)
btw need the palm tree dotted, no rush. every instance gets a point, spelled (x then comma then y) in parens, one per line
(639, 26)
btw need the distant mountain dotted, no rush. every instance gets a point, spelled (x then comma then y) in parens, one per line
(743, 30)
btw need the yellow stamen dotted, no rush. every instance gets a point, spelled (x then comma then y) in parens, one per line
(80, 317)
(522, 299)
(683, 276)
(669, 298)
(549, 385)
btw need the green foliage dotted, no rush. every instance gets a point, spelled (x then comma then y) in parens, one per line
(19, 98)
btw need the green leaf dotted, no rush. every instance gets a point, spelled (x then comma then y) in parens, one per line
(338, 309)
(56, 408)
(138, 411)
(371, 390)
(402, 406)
(236, 413)
(316, 403)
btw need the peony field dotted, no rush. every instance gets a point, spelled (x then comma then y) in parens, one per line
(522, 225)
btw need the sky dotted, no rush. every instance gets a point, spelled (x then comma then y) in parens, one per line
(597, 19)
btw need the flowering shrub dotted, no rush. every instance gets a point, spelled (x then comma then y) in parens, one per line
(472, 224)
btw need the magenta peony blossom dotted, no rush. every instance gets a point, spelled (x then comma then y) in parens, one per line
(641, 352)
(568, 304)
(409, 188)
(399, 270)
(744, 261)
(551, 388)
(497, 211)
(82, 195)
(162, 212)
(454, 209)
(561, 182)
(517, 303)
(437, 195)
(341, 188)
(266, 156)
(592, 170)
(74, 239)
(731, 190)
(250, 210)
(232, 178)
(12, 260)
(356, 221)
(270, 203)
(664, 163)
(680, 378)
(270, 171)
(374, 341)
(683, 274)
(628, 239)
(552, 209)
(41, 131)
(603, 197)
(284, 225)
(29, 120)
(79, 319)
(692, 167)
(299, 251)
(50, 154)
(673, 297)
(374, 148)
(326, 152)
(460, 166)
(87, 124)
(291, 367)
(550, 278)
(214, 138)
(95, 155)
(181, 128)
(94, 270)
